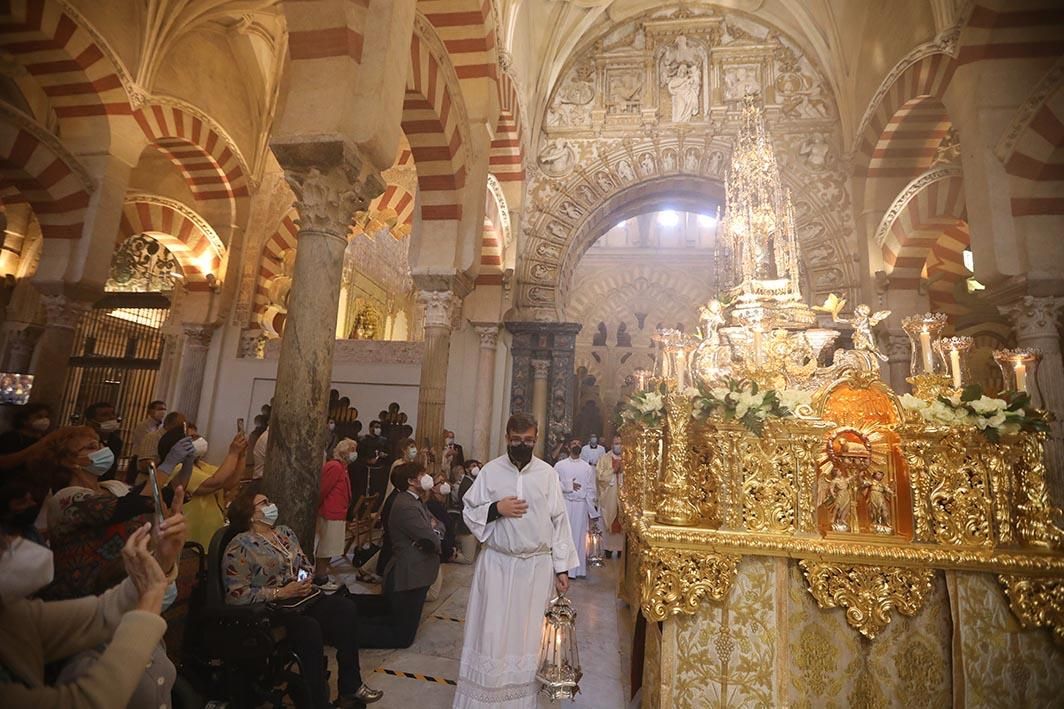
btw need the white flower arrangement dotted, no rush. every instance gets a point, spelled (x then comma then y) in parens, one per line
(971, 408)
(743, 401)
(645, 408)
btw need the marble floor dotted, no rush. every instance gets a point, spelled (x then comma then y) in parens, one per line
(423, 676)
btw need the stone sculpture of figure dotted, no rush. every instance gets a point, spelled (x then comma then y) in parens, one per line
(624, 339)
(557, 157)
(599, 338)
(681, 74)
(834, 494)
(879, 499)
(863, 321)
(624, 169)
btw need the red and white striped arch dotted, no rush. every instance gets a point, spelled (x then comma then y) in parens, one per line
(467, 29)
(185, 233)
(928, 221)
(395, 196)
(35, 168)
(1006, 29)
(1035, 161)
(208, 159)
(271, 262)
(507, 159)
(923, 74)
(907, 145)
(434, 123)
(77, 74)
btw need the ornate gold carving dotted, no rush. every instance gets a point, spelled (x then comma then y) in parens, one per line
(676, 505)
(1037, 602)
(868, 593)
(675, 581)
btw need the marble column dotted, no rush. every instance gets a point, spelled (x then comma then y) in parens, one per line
(326, 181)
(1036, 323)
(540, 375)
(51, 357)
(548, 341)
(196, 342)
(437, 311)
(485, 390)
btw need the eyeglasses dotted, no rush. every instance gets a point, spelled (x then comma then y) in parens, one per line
(523, 441)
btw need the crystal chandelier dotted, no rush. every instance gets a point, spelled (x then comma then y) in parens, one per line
(758, 225)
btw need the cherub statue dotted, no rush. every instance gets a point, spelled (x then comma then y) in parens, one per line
(711, 315)
(879, 499)
(834, 493)
(862, 323)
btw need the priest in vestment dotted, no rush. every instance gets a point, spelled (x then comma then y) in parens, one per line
(610, 472)
(515, 507)
(577, 480)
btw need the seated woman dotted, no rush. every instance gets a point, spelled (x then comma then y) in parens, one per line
(33, 632)
(262, 564)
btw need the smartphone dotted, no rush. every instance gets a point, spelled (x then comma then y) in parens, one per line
(156, 498)
(184, 428)
(302, 575)
(240, 426)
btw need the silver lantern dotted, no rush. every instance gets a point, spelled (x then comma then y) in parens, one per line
(594, 546)
(559, 663)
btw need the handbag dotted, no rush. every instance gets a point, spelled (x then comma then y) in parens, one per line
(296, 605)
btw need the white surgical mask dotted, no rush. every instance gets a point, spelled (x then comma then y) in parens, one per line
(100, 461)
(25, 568)
(169, 596)
(450, 441)
(269, 514)
(445, 489)
(375, 431)
(426, 482)
(352, 456)
(200, 444)
(617, 449)
(411, 453)
(474, 471)
(332, 426)
(41, 424)
(109, 426)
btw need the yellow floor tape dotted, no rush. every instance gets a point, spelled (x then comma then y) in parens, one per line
(414, 675)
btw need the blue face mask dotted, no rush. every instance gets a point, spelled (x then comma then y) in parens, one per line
(100, 461)
(269, 514)
(169, 596)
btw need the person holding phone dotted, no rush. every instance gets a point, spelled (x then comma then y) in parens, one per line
(265, 564)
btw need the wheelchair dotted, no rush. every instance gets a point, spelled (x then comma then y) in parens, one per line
(237, 656)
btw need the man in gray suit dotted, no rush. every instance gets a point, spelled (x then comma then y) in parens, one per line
(414, 564)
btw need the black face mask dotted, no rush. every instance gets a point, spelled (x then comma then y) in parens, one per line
(520, 455)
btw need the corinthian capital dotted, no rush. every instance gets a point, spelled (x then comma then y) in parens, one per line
(1034, 317)
(438, 307)
(540, 368)
(61, 311)
(331, 182)
(488, 334)
(198, 336)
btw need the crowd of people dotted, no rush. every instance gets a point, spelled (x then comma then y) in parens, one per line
(92, 530)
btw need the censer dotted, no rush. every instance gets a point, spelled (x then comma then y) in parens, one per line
(559, 663)
(594, 547)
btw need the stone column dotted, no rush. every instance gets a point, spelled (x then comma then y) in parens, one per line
(898, 351)
(326, 181)
(485, 390)
(19, 344)
(197, 340)
(540, 373)
(437, 311)
(51, 357)
(1036, 323)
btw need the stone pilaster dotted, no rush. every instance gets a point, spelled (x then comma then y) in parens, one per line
(330, 186)
(51, 357)
(540, 375)
(485, 390)
(437, 315)
(1035, 321)
(19, 343)
(196, 342)
(555, 342)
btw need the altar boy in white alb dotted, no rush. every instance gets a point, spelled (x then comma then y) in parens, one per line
(577, 480)
(516, 509)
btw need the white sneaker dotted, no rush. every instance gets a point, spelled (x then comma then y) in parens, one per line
(329, 587)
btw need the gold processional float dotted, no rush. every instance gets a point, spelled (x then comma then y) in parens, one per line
(743, 443)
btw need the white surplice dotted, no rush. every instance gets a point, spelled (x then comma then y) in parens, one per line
(513, 582)
(581, 504)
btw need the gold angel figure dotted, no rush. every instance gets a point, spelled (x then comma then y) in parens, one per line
(862, 323)
(879, 499)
